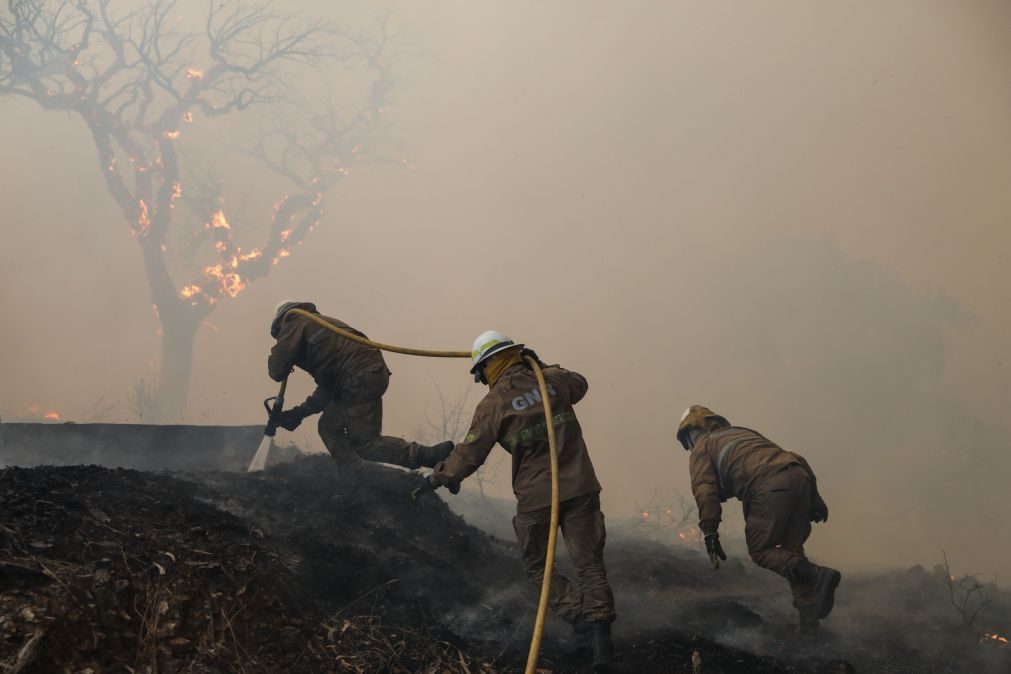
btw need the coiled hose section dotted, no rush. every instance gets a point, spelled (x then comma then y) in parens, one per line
(549, 562)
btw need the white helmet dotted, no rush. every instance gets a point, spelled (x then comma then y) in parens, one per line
(487, 345)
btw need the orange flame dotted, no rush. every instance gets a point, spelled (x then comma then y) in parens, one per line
(190, 291)
(645, 515)
(229, 283)
(52, 415)
(187, 116)
(194, 74)
(112, 165)
(1000, 639)
(218, 221)
(171, 135)
(143, 220)
(177, 191)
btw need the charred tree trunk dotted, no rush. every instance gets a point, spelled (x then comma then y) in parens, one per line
(176, 369)
(179, 320)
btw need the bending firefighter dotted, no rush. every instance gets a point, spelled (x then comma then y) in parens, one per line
(351, 379)
(780, 497)
(511, 415)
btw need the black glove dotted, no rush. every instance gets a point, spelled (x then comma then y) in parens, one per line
(819, 511)
(289, 420)
(426, 483)
(431, 483)
(715, 550)
(533, 354)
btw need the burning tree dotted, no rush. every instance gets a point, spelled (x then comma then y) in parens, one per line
(138, 77)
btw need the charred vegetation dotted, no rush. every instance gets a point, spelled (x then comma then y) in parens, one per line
(300, 570)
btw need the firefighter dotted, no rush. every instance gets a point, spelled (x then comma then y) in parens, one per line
(351, 379)
(511, 414)
(780, 498)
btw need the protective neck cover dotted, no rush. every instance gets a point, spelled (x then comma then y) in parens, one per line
(499, 364)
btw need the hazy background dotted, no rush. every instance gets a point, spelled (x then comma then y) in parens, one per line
(795, 213)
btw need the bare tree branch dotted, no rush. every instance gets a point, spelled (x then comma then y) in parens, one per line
(134, 77)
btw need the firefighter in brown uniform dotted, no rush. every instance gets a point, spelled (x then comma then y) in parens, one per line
(351, 379)
(511, 414)
(780, 497)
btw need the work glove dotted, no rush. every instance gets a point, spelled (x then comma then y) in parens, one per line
(431, 483)
(289, 420)
(819, 510)
(425, 484)
(715, 550)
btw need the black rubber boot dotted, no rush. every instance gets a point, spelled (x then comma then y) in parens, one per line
(809, 624)
(428, 457)
(603, 649)
(825, 581)
(578, 643)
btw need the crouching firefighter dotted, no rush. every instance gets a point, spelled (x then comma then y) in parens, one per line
(780, 497)
(511, 414)
(351, 379)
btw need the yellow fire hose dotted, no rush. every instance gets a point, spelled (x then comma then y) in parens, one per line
(549, 563)
(379, 345)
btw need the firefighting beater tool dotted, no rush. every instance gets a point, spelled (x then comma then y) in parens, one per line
(259, 461)
(549, 564)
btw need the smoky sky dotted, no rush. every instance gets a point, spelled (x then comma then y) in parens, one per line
(795, 213)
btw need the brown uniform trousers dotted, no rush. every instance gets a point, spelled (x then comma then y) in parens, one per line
(582, 525)
(352, 423)
(777, 523)
(776, 487)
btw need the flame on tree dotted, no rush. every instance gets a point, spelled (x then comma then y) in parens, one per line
(138, 79)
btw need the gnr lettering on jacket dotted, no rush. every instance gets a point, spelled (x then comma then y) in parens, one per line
(531, 398)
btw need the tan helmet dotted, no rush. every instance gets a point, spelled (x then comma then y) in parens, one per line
(282, 309)
(701, 418)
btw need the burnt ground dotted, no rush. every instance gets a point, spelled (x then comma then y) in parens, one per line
(297, 570)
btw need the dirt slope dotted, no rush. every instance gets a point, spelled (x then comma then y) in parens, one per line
(296, 570)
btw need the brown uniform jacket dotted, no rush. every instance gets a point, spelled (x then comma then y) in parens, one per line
(511, 415)
(729, 462)
(325, 355)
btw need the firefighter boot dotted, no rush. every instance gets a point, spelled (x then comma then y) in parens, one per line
(824, 581)
(577, 643)
(808, 626)
(428, 457)
(603, 650)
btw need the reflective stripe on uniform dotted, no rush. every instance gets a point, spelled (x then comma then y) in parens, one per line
(317, 335)
(538, 431)
(723, 453)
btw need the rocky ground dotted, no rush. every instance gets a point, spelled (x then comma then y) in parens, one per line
(297, 570)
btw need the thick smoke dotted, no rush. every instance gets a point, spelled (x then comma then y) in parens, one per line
(796, 216)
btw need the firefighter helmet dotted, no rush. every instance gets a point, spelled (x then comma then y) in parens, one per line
(489, 344)
(701, 418)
